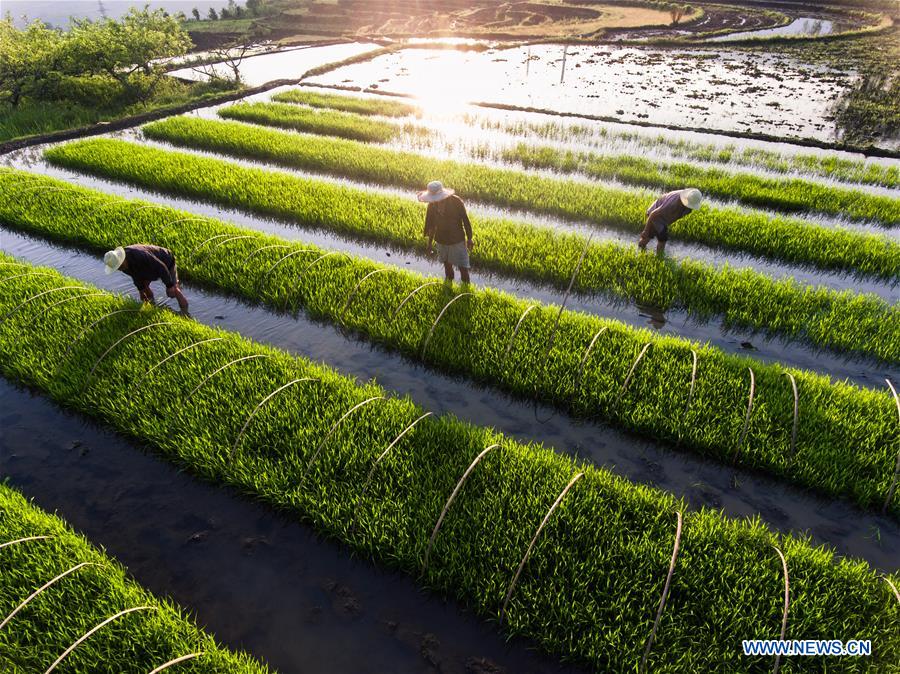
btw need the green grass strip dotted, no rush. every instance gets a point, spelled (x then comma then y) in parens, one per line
(323, 122)
(779, 238)
(51, 622)
(789, 195)
(846, 442)
(793, 194)
(844, 321)
(354, 104)
(828, 165)
(592, 584)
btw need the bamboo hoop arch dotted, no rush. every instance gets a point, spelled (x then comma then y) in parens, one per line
(30, 273)
(203, 243)
(172, 355)
(34, 297)
(27, 539)
(221, 243)
(256, 409)
(381, 456)
(119, 341)
(893, 588)
(43, 587)
(690, 399)
(280, 260)
(334, 428)
(665, 592)
(515, 332)
(512, 585)
(441, 315)
(183, 658)
(890, 494)
(787, 605)
(91, 632)
(796, 423)
(224, 367)
(410, 296)
(740, 444)
(562, 306)
(261, 249)
(353, 292)
(456, 489)
(70, 299)
(632, 371)
(584, 358)
(99, 320)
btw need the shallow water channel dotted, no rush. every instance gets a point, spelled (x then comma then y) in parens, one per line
(703, 483)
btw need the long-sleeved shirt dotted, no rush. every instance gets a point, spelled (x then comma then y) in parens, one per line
(447, 222)
(666, 210)
(147, 263)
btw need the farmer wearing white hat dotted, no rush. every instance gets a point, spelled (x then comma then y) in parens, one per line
(664, 211)
(447, 224)
(144, 264)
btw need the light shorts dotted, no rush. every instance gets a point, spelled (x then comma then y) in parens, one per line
(456, 254)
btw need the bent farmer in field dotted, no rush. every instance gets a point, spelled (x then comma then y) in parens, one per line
(144, 264)
(447, 224)
(664, 211)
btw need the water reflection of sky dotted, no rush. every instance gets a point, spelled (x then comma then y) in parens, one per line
(736, 91)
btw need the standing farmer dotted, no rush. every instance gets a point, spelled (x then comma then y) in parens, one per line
(144, 264)
(664, 211)
(447, 224)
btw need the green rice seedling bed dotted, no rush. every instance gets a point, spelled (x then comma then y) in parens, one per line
(590, 588)
(845, 444)
(789, 194)
(89, 588)
(328, 123)
(825, 166)
(360, 106)
(844, 321)
(780, 238)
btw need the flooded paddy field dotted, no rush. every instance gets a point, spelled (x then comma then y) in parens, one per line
(761, 443)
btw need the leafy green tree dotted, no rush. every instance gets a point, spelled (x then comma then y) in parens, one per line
(253, 6)
(196, 14)
(213, 15)
(28, 59)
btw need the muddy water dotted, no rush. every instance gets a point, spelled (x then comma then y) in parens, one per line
(804, 26)
(701, 482)
(256, 580)
(862, 371)
(731, 91)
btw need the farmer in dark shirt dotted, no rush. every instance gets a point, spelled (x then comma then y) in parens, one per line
(144, 264)
(664, 211)
(447, 224)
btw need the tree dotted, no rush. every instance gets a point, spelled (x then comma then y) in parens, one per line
(28, 59)
(213, 15)
(231, 56)
(253, 6)
(127, 50)
(196, 13)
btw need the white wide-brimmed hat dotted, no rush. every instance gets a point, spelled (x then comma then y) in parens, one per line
(691, 198)
(114, 259)
(435, 192)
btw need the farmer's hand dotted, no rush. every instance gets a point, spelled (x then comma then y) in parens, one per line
(470, 244)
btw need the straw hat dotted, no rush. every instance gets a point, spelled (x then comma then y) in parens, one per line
(435, 192)
(114, 259)
(691, 198)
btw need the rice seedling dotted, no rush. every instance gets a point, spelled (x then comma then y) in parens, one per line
(328, 123)
(66, 606)
(824, 166)
(778, 238)
(354, 104)
(840, 447)
(787, 195)
(567, 554)
(743, 297)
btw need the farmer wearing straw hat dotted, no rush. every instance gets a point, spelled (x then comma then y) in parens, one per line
(144, 264)
(447, 224)
(664, 211)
